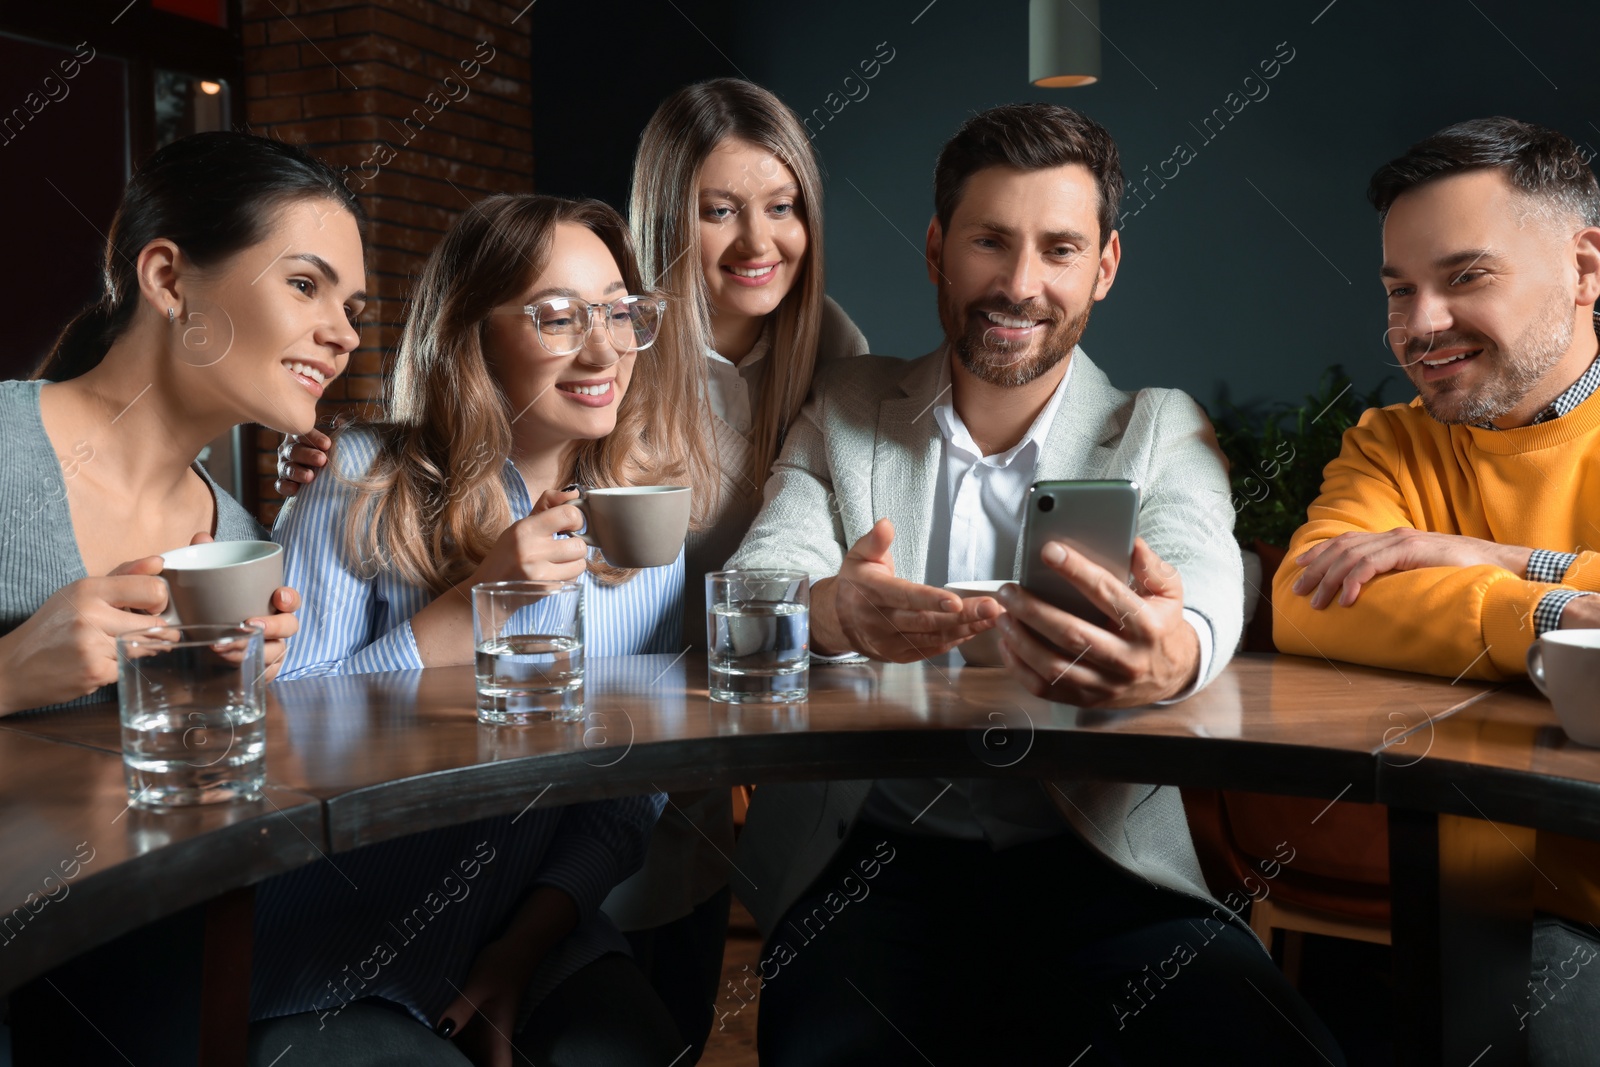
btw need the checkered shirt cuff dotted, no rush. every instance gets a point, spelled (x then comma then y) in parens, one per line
(1547, 616)
(1547, 566)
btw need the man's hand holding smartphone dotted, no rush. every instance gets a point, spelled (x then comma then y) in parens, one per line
(1147, 652)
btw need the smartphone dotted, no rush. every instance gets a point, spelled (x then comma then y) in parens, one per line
(1099, 519)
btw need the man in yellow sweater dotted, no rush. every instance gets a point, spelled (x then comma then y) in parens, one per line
(1454, 530)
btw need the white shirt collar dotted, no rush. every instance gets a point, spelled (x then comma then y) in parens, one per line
(732, 387)
(763, 347)
(957, 436)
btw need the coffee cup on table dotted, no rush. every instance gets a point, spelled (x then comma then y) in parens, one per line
(1565, 665)
(636, 525)
(984, 649)
(221, 582)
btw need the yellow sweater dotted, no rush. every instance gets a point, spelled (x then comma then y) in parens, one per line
(1536, 486)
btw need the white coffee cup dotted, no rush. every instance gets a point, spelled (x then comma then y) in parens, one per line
(1565, 665)
(984, 649)
(221, 582)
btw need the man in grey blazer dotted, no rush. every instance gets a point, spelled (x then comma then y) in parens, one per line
(1000, 920)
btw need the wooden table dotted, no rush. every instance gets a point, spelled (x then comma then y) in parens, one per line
(391, 754)
(380, 756)
(81, 867)
(1462, 836)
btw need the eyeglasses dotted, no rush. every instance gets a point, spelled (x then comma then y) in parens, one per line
(561, 324)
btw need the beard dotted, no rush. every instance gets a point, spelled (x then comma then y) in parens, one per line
(1514, 371)
(989, 359)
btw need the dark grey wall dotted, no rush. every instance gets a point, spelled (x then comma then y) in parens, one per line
(598, 75)
(1255, 264)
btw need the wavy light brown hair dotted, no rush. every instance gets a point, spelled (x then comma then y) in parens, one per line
(434, 503)
(665, 213)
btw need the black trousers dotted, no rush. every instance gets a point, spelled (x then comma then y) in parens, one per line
(683, 960)
(603, 1015)
(1562, 994)
(912, 950)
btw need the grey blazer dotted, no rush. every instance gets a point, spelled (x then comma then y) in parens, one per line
(867, 446)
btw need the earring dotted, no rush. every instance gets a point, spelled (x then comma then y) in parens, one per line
(172, 314)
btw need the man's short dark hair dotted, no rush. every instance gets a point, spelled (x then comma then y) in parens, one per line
(1541, 165)
(1028, 137)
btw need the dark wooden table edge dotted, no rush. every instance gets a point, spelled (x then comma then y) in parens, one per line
(1420, 789)
(1496, 795)
(371, 814)
(146, 888)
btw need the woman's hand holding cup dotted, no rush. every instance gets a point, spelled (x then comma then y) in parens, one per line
(68, 649)
(529, 549)
(276, 629)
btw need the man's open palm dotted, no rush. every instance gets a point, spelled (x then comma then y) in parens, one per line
(866, 609)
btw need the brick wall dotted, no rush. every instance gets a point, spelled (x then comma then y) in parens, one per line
(424, 103)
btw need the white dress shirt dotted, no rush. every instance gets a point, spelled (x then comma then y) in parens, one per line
(730, 385)
(984, 497)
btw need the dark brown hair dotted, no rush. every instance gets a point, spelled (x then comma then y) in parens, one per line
(1028, 137)
(1540, 163)
(213, 195)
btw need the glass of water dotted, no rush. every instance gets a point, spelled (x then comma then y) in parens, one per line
(529, 642)
(758, 635)
(193, 714)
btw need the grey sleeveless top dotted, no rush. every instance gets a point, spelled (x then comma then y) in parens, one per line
(38, 554)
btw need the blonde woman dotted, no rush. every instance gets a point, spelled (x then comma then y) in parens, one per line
(530, 360)
(727, 213)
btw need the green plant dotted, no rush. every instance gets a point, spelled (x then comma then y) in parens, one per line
(1276, 454)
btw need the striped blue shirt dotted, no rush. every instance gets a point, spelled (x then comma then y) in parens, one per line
(404, 919)
(357, 618)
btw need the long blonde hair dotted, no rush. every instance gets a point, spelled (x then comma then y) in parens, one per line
(665, 214)
(434, 502)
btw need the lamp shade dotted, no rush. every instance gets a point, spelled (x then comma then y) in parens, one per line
(1063, 43)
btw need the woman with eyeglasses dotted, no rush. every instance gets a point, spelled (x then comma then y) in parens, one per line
(727, 215)
(530, 361)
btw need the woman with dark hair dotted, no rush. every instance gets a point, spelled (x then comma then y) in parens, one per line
(231, 285)
(529, 361)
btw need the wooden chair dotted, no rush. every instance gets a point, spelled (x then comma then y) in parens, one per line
(1338, 881)
(742, 795)
(1334, 882)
